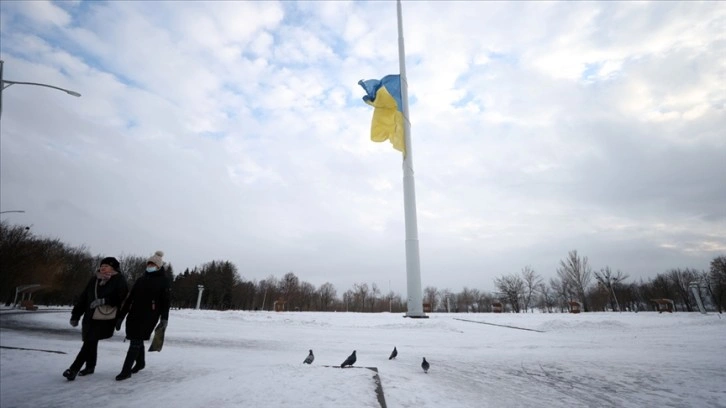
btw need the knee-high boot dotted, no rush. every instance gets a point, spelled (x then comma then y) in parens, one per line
(131, 356)
(140, 361)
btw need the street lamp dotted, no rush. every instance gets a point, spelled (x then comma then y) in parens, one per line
(4, 84)
(12, 211)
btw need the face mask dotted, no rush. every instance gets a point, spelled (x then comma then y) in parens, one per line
(151, 269)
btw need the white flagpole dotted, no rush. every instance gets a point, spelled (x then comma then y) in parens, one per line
(413, 263)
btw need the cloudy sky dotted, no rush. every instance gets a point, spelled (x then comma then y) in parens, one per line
(236, 131)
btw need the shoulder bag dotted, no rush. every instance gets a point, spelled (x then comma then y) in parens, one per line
(103, 312)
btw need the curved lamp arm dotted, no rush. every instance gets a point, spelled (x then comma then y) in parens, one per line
(68, 91)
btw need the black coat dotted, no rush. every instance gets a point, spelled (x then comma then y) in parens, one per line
(148, 301)
(114, 292)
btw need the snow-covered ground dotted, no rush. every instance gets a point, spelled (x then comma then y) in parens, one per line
(254, 359)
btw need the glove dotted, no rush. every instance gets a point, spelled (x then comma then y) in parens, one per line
(118, 324)
(162, 324)
(74, 322)
(96, 303)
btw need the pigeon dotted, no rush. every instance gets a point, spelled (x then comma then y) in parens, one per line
(425, 365)
(349, 361)
(309, 359)
(394, 353)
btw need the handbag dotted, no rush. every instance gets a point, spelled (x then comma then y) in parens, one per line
(158, 342)
(103, 312)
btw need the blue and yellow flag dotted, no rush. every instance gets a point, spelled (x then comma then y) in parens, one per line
(385, 96)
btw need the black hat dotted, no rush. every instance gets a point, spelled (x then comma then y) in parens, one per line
(112, 262)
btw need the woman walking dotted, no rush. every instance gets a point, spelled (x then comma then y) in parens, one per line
(147, 303)
(97, 305)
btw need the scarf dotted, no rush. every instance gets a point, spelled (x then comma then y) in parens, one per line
(104, 277)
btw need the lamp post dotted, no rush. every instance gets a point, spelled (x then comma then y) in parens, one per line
(4, 84)
(696, 290)
(390, 308)
(199, 297)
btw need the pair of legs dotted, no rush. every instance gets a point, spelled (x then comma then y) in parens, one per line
(135, 360)
(87, 355)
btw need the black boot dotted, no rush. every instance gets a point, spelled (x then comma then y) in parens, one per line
(70, 374)
(140, 362)
(130, 359)
(123, 376)
(86, 371)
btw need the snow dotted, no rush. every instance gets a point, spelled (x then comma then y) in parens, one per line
(254, 359)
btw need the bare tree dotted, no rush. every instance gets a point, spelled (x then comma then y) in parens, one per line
(578, 274)
(243, 296)
(327, 295)
(397, 304)
(717, 282)
(532, 282)
(267, 292)
(660, 287)
(373, 297)
(563, 292)
(465, 299)
(132, 266)
(431, 296)
(307, 296)
(547, 300)
(609, 281)
(474, 295)
(484, 302)
(512, 288)
(681, 279)
(360, 295)
(16, 257)
(446, 297)
(598, 299)
(349, 300)
(389, 300)
(634, 297)
(290, 290)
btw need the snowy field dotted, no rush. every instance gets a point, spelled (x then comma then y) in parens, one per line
(254, 359)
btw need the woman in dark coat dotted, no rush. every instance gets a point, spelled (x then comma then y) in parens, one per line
(147, 303)
(108, 288)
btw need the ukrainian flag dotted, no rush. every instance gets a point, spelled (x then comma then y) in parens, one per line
(385, 96)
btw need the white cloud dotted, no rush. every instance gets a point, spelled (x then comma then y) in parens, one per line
(235, 130)
(43, 12)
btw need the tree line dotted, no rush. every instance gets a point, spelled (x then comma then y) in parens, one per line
(63, 270)
(594, 290)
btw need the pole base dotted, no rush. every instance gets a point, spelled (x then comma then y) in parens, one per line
(417, 316)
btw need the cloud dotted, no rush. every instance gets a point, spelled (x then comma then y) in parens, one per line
(42, 14)
(236, 131)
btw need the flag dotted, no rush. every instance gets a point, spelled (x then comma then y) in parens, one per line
(385, 96)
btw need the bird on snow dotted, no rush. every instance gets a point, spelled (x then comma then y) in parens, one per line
(425, 365)
(394, 353)
(349, 361)
(309, 359)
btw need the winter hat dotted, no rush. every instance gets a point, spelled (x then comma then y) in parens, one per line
(112, 262)
(156, 259)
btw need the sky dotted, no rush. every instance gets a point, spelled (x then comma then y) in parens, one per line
(236, 358)
(236, 131)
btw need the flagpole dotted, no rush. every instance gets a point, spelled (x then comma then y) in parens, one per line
(413, 263)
